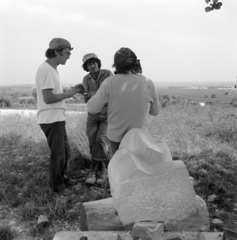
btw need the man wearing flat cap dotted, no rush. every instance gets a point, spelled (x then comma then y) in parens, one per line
(96, 126)
(51, 113)
(131, 97)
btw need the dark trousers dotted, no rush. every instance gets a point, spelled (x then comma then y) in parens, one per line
(96, 130)
(114, 146)
(60, 154)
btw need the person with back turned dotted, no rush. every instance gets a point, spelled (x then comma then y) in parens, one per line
(131, 98)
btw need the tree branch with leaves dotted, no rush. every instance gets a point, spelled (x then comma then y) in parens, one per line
(213, 5)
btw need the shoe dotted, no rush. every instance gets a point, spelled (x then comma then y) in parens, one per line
(70, 182)
(65, 192)
(91, 179)
(102, 178)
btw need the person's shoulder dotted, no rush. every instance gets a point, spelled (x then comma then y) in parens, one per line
(43, 65)
(109, 80)
(86, 77)
(148, 80)
(43, 68)
(106, 71)
(46, 67)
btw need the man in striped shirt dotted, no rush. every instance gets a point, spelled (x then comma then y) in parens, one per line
(96, 127)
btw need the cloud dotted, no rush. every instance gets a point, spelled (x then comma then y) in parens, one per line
(99, 24)
(73, 18)
(34, 9)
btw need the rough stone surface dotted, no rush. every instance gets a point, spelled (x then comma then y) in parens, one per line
(100, 215)
(156, 189)
(209, 236)
(148, 230)
(142, 145)
(94, 235)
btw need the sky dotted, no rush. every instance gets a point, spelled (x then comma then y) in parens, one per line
(175, 40)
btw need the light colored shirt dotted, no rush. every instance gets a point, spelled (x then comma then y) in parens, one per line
(48, 78)
(131, 99)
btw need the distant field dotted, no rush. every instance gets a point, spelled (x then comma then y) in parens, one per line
(192, 94)
(199, 94)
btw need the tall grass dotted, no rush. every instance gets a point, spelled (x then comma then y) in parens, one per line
(203, 137)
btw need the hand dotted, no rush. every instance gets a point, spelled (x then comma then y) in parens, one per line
(86, 97)
(79, 88)
(69, 93)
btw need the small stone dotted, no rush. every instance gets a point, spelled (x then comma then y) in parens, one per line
(235, 207)
(83, 238)
(217, 221)
(191, 180)
(211, 198)
(209, 236)
(147, 230)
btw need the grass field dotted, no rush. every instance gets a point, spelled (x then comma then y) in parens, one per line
(203, 137)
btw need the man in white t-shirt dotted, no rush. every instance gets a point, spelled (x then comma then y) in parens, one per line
(52, 113)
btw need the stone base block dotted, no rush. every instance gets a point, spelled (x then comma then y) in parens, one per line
(100, 215)
(210, 236)
(92, 235)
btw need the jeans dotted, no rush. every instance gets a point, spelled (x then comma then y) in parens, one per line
(96, 130)
(60, 154)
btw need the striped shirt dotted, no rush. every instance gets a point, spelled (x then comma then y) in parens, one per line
(91, 86)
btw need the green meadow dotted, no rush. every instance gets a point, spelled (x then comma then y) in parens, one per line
(203, 137)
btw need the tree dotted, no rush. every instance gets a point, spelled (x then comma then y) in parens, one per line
(213, 5)
(34, 93)
(5, 102)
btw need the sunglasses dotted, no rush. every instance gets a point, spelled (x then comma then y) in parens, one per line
(68, 53)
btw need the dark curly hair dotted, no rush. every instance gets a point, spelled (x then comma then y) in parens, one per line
(133, 67)
(91, 60)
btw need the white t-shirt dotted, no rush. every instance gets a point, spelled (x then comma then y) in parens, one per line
(48, 78)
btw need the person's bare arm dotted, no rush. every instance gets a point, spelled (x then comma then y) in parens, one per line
(50, 97)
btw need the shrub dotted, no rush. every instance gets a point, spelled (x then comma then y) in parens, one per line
(214, 173)
(31, 101)
(7, 233)
(5, 102)
(213, 95)
(34, 93)
(25, 94)
(234, 102)
(224, 132)
(164, 100)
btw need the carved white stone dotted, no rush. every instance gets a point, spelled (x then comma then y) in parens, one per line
(147, 185)
(147, 151)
